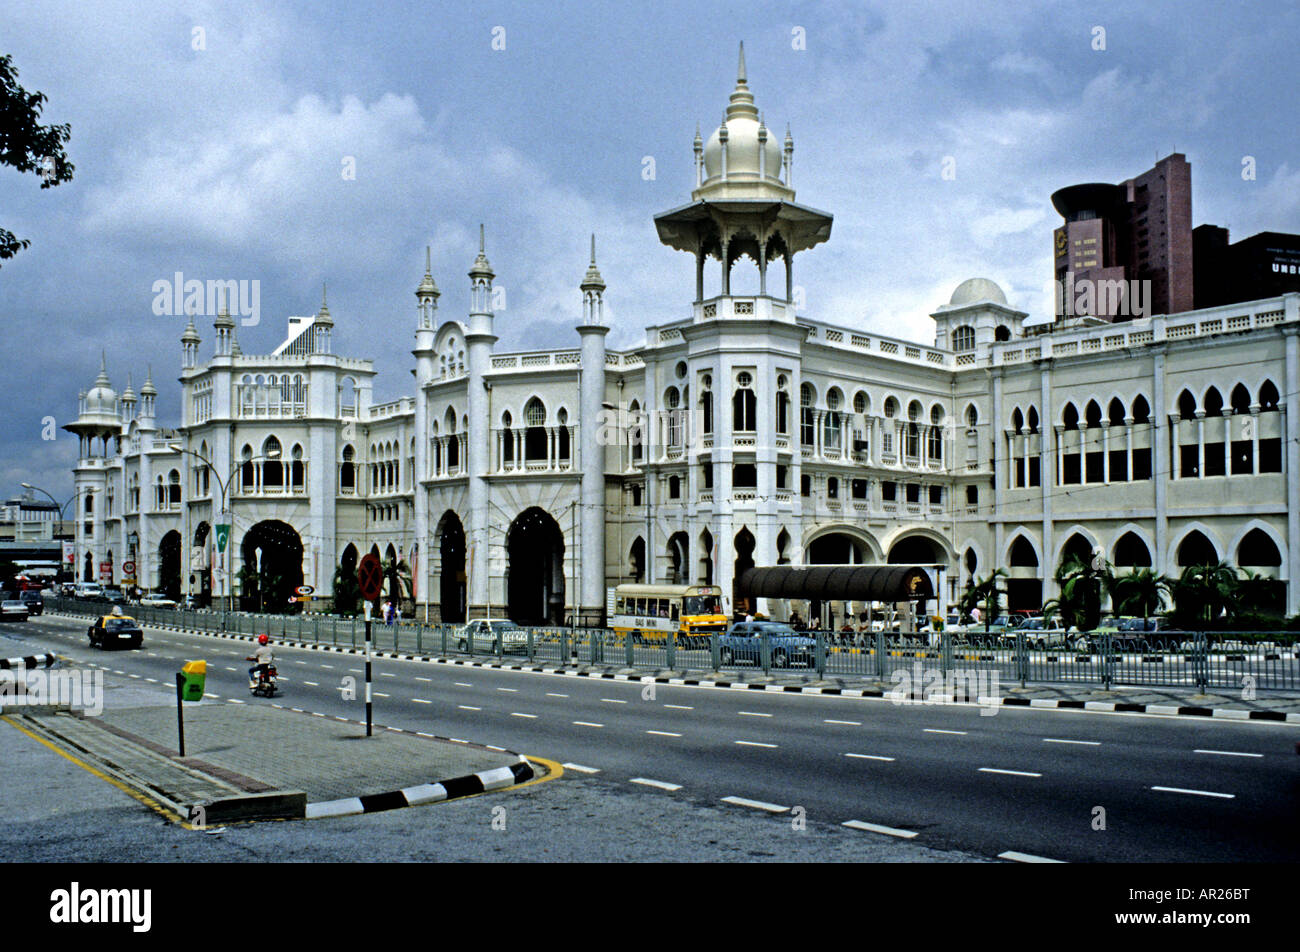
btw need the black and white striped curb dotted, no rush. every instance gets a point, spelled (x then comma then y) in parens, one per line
(481, 782)
(1122, 707)
(31, 661)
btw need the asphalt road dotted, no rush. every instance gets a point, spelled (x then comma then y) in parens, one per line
(1026, 781)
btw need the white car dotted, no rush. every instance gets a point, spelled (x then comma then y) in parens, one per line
(487, 632)
(156, 600)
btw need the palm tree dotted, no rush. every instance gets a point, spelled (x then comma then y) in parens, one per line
(1259, 594)
(1141, 591)
(398, 575)
(347, 594)
(1203, 592)
(983, 591)
(1081, 585)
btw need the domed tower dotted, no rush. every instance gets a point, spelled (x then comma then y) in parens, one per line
(189, 346)
(976, 316)
(322, 327)
(148, 400)
(127, 401)
(98, 414)
(741, 206)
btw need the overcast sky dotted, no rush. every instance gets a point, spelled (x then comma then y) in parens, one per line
(230, 161)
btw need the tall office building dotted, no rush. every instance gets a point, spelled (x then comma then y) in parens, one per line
(1261, 266)
(1125, 250)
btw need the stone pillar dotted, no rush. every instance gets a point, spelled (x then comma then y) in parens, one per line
(591, 601)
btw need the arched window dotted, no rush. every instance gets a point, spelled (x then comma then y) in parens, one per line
(1033, 419)
(706, 404)
(972, 416)
(1213, 402)
(247, 473)
(1070, 417)
(831, 425)
(507, 438)
(636, 431)
(744, 404)
(782, 404)
(562, 436)
(1017, 420)
(672, 408)
(272, 468)
(963, 339)
(1092, 414)
(934, 443)
(1186, 405)
(1141, 410)
(1268, 396)
(807, 416)
(174, 488)
(1002, 333)
(297, 470)
(535, 440)
(1115, 412)
(1240, 399)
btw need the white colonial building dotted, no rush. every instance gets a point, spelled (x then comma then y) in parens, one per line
(743, 434)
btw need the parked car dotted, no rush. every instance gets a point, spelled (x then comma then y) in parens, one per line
(87, 590)
(11, 609)
(34, 601)
(1039, 632)
(488, 632)
(114, 596)
(156, 600)
(116, 631)
(744, 642)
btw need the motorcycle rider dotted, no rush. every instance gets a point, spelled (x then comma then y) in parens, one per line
(264, 658)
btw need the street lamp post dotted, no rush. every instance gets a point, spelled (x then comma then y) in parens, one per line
(63, 507)
(223, 513)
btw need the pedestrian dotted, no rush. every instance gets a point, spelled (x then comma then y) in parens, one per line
(388, 612)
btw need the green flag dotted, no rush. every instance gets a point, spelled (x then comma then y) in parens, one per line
(223, 537)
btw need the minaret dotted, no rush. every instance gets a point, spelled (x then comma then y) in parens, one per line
(699, 157)
(479, 340)
(224, 325)
(589, 601)
(128, 401)
(788, 160)
(322, 328)
(189, 345)
(148, 399)
(426, 322)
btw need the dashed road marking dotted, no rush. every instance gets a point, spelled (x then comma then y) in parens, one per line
(420, 700)
(549, 694)
(868, 757)
(529, 716)
(645, 782)
(664, 733)
(752, 714)
(1227, 753)
(753, 743)
(588, 724)
(612, 700)
(937, 730)
(1026, 857)
(847, 723)
(755, 804)
(580, 768)
(462, 684)
(509, 690)
(877, 828)
(377, 694)
(466, 707)
(1199, 793)
(418, 678)
(680, 707)
(312, 683)
(1014, 773)
(1086, 743)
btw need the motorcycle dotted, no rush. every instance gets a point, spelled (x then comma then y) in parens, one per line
(265, 685)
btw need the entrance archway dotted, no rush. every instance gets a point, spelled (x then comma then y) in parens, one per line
(535, 571)
(679, 558)
(835, 548)
(451, 580)
(169, 565)
(744, 544)
(272, 569)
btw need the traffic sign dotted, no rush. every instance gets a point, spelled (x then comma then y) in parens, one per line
(128, 568)
(370, 577)
(304, 590)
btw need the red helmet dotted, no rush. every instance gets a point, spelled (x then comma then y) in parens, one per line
(262, 639)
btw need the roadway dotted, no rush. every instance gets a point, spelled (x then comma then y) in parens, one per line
(1024, 781)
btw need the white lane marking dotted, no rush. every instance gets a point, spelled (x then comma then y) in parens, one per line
(1026, 857)
(234, 700)
(1227, 753)
(312, 683)
(336, 717)
(1014, 773)
(680, 707)
(755, 804)
(385, 674)
(462, 684)
(664, 733)
(753, 743)
(353, 670)
(1087, 743)
(848, 723)
(420, 700)
(378, 694)
(529, 716)
(218, 696)
(580, 768)
(330, 666)
(612, 700)
(423, 734)
(509, 690)
(752, 714)
(868, 757)
(587, 724)
(1199, 793)
(645, 782)
(136, 676)
(115, 671)
(466, 707)
(296, 662)
(230, 669)
(877, 828)
(152, 680)
(549, 694)
(937, 730)
(418, 678)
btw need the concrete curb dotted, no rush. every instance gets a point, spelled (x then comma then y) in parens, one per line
(481, 782)
(30, 661)
(1165, 710)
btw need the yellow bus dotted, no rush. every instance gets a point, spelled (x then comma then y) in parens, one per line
(649, 612)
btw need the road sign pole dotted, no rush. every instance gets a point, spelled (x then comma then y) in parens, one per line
(180, 716)
(369, 704)
(370, 579)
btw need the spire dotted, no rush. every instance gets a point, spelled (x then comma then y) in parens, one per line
(592, 281)
(742, 100)
(128, 395)
(191, 333)
(223, 316)
(148, 390)
(323, 318)
(481, 268)
(427, 288)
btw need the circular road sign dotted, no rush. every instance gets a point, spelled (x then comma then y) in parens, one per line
(128, 568)
(305, 590)
(370, 577)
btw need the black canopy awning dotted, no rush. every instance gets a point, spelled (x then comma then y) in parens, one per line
(858, 583)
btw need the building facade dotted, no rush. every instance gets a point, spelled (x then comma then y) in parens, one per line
(743, 434)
